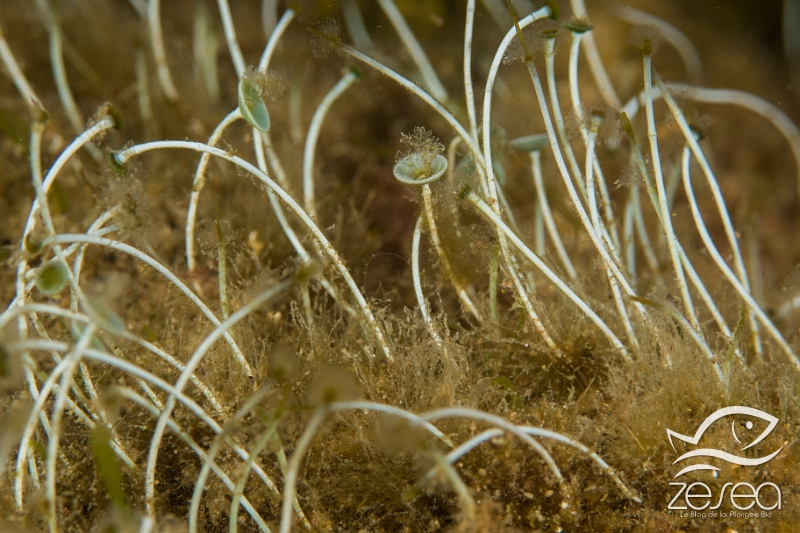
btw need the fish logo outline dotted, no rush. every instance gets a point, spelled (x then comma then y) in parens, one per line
(719, 454)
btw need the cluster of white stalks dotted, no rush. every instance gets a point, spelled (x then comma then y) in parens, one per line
(620, 237)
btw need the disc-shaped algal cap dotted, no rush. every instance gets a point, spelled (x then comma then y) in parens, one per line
(422, 162)
(415, 169)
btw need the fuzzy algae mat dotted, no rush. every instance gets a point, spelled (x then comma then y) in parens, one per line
(397, 266)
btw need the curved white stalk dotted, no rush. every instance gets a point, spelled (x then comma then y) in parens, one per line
(20, 81)
(609, 231)
(87, 380)
(59, 71)
(422, 95)
(595, 63)
(675, 37)
(666, 213)
(53, 310)
(124, 155)
(41, 195)
(238, 492)
(522, 292)
(30, 427)
(590, 137)
(90, 424)
(76, 144)
(421, 302)
(738, 286)
(597, 239)
(538, 231)
(558, 116)
(465, 499)
(558, 437)
(213, 450)
(591, 196)
(628, 229)
(230, 36)
(37, 412)
(90, 391)
(490, 184)
(488, 434)
(238, 60)
(469, 92)
(547, 215)
(394, 411)
(305, 257)
(157, 43)
(467, 446)
(589, 207)
(574, 91)
(153, 410)
(191, 365)
(757, 105)
(88, 419)
(72, 359)
(642, 231)
(275, 37)
(186, 401)
(262, 142)
(33, 390)
(356, 26)
(205, 45)
(198, 182)
(719, 200)
(42, 187)
(309, 199)
(502, 423)
(539, 264)
(429, 77)
(293, 467)
(466, 301)
(39, 344)
(141, 256)
(700, 341)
